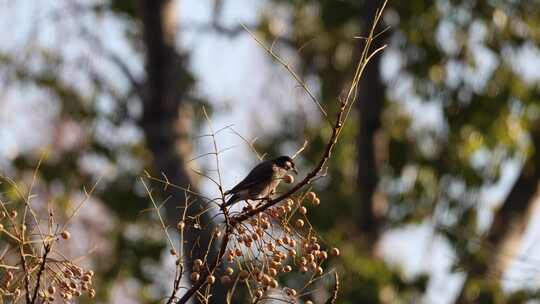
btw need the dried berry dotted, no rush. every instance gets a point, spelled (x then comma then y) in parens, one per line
(225, 280)
(65, 235)
(288, 179)
(243, 275)
(334, 251)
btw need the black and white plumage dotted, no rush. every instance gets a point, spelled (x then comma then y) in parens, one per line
(262, 180)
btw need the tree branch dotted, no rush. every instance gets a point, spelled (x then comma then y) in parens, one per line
(40, 271)
(333, 297)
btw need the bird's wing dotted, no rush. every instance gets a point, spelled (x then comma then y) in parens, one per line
(261, 173)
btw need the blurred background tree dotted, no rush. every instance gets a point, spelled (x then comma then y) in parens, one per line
(441, 119)
(445, 138)
(141, 118)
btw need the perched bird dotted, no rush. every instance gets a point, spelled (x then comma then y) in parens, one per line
(262, 181)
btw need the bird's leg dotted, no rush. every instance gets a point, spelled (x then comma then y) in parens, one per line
(249, 204)
(262, 200)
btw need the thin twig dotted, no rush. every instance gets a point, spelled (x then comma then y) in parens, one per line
(40, 271)
(290, 70)
(158, 213)
(300, 150)
(26, 274)
(333, 297)
(87, 195)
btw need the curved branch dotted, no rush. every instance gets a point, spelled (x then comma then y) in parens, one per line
(333, 297)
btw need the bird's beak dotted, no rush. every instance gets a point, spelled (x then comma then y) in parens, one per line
(295, 172)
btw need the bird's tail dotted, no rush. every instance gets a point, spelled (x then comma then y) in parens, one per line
(233, 199)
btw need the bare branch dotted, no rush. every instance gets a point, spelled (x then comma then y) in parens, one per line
(333, 297)
(47, 248)
(290, 70)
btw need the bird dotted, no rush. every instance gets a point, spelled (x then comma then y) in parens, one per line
(262, 180)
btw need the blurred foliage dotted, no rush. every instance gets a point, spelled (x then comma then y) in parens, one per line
(104, 117)
(457, 61)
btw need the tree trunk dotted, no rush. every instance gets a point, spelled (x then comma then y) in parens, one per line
(510, 222)
(167, 121)
(370, 104)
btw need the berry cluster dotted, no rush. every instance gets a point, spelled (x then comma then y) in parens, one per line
(67, 281)
(269, 246)
(31, 270)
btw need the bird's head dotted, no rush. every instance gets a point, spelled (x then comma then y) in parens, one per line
(286, 163)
